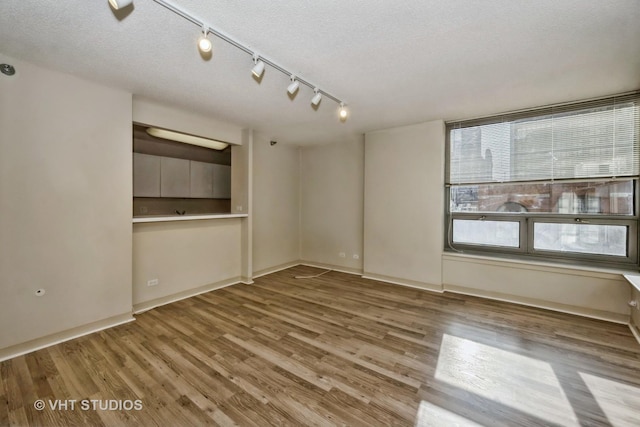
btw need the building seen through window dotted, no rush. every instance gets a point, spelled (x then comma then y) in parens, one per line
(560, 182)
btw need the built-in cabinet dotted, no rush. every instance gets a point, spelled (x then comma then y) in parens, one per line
(158, 176)
(146, 173)
(174, 177)
(222, 181)
(201, 183)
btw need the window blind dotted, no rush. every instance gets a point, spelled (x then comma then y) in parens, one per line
(597, 139)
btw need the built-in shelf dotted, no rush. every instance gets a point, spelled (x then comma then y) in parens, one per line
(186, 217)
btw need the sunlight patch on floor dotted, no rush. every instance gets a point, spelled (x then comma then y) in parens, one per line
(519, 382)
(430, 415)
(619, 402)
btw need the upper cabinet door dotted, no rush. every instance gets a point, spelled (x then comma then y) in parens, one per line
(201, 180)
(146, 175)
(221, 182)
(156, 176)
(174, 177)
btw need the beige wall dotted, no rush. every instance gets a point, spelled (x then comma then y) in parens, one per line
(240, 173)
(331, 210)
(242, 198)
(403, 204)
(65, 203)
(152, 113)
(276, 204)
(183, 256)
(586, 292)
(635, 312)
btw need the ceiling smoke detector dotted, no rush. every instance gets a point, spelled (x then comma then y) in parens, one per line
(7, 69)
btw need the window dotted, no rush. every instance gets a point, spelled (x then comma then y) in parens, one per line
(556, 183)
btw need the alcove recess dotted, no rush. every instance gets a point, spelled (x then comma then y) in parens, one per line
(173, 178)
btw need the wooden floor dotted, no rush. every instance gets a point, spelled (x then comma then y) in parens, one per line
(333, 350)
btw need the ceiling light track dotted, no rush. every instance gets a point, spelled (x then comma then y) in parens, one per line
(221, 35)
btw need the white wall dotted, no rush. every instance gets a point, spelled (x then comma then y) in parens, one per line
(332, 192)
(276, 204)
(65, 204)
(403, 204)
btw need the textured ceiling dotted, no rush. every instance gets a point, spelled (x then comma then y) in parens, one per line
(392, 62)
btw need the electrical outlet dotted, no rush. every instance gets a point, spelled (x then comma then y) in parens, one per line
(342, 255)
(356, 256)
(238, 208)
(153, 282)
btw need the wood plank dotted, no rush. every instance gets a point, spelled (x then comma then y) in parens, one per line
(286, 364)
(335, 350)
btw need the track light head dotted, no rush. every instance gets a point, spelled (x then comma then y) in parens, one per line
(293, 87)
(317, 97)
(342, 112)
(258, 68)
(119, 4)
(204, 44)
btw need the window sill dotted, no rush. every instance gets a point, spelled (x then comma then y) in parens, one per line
(144, 219)
(633, 279)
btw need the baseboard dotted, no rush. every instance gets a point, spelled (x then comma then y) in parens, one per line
(403, 282)
(332, 267)
(548, 305)
(634, 330)
(149, 305)
(60, 337)
(275, 269)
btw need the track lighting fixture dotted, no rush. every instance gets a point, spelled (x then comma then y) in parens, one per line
(343, 112)
(293, 87)
(119, 4)
(258, 68)
(317, 97)
(204, 44)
